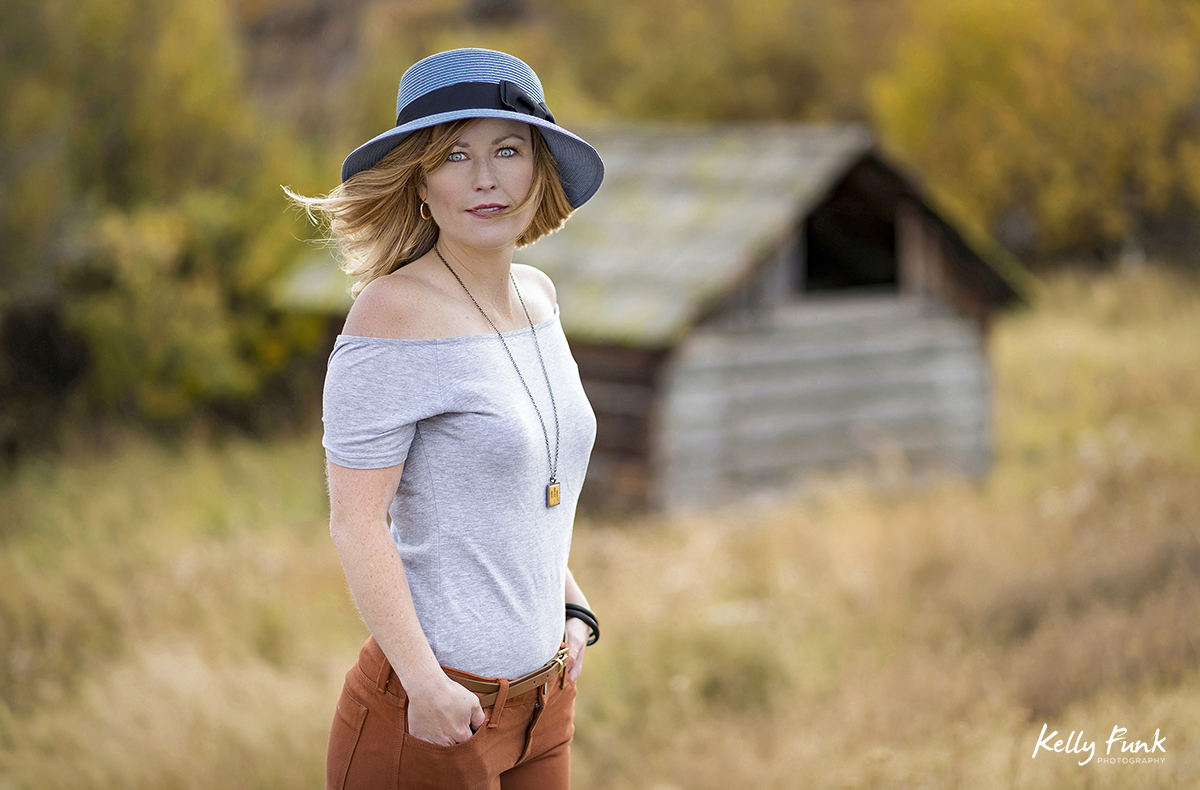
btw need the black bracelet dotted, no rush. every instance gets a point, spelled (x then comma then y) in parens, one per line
(587, 616)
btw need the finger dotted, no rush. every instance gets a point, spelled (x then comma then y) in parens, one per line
(477, 718)
(462, 733)
(575, 667)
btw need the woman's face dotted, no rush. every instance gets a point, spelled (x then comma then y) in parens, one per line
(489, 170)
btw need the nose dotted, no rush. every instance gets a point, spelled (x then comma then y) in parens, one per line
(485, 177)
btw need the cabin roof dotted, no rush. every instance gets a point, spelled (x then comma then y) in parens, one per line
(683, 214)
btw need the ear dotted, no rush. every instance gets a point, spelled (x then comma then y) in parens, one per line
(422, 190)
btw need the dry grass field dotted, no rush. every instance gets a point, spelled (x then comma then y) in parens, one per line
(176, 617)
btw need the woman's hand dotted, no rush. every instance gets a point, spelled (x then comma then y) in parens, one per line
(577, 637)
(445, 714)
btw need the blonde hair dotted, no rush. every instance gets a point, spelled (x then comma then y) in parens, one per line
(375, 215)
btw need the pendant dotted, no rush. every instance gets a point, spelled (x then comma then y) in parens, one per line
(552, 497)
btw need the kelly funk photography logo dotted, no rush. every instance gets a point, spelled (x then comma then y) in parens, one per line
(1129, 750)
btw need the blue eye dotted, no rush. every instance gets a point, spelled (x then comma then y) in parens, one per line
(506, 152)
(456, 156)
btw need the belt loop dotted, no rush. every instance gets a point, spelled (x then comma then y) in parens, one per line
(384, 668)
(498, 708)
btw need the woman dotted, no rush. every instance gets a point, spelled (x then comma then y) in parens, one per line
(453, 409)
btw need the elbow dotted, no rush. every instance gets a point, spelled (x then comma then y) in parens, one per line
(340, 530)
(353, 530)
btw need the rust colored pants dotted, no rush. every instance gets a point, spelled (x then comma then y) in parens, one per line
(525, 743)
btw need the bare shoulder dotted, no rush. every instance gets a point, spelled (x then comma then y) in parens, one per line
(536, 285)
(401, 305)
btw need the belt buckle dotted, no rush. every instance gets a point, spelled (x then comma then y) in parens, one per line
(561, 657)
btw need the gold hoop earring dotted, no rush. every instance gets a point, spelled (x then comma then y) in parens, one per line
(424, 212)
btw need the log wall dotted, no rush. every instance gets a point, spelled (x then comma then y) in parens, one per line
(830, 382)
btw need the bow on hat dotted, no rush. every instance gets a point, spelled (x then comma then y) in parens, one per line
(514, 98)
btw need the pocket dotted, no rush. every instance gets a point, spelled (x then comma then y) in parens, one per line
(487, 716)
(410, 738)
(344, 735)
(429, 765)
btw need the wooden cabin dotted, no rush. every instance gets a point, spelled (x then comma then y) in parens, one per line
(750, 302)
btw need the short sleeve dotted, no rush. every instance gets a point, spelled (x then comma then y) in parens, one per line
(376, 391)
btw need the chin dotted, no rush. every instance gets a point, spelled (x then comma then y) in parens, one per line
(489, 240)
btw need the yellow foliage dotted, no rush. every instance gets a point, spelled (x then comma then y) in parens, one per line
(190, 113)
(1074, 111)
(675, 59)
(160, 329)
(141, 201)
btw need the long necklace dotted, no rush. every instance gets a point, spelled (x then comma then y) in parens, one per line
(552, 489)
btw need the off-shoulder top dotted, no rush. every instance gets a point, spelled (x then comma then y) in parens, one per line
(485, 557)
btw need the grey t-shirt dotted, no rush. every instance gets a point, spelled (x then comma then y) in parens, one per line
(486, 559)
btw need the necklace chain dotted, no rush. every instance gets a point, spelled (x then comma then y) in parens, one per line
(552, 459)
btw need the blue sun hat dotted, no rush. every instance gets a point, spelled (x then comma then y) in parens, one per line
(481, 83)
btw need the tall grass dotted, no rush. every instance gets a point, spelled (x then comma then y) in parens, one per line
(178, 619)
(170, 618)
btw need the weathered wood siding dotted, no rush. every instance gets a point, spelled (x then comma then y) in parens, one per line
(828, 382)
(620, 384)
(927, 268)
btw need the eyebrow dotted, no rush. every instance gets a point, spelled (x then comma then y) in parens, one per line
(497, 141)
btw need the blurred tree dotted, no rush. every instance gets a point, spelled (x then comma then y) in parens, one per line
(716, 59)
(668, 60)
(1063, 122)
(141, 203)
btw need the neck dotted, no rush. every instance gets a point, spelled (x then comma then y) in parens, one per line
(485, 273)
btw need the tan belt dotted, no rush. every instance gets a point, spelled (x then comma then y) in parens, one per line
(491, 689)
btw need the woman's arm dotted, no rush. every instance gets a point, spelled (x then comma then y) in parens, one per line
(439, 710)
(577, 630)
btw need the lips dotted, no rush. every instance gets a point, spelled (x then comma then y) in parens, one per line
(485, 209)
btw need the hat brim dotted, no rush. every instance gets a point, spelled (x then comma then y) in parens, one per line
(579, 166)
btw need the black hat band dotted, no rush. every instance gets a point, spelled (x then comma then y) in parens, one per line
(475, 96)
